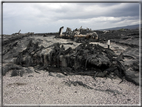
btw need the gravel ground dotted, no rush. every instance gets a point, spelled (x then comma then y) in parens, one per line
(55, 88)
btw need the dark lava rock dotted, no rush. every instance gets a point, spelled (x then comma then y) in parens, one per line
(17, 73)
(9, 67)
(85, 59)
(132, 76)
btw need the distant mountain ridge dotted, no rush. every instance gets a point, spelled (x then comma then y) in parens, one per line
(125, 27)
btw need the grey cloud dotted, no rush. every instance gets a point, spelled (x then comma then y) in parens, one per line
(107, 4)
(47, 18)
(76, 11)
(126, 10)
(131, 9)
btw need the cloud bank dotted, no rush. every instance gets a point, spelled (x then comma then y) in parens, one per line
(49, 17)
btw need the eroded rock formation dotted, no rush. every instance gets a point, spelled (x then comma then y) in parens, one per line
(85, 59)
(22, 52)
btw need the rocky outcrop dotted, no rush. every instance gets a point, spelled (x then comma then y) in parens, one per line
(85, 59)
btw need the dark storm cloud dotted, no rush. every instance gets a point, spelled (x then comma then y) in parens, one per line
(129, 9)
(98, 9)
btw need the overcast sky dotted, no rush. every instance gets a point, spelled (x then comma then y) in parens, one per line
(49, 17)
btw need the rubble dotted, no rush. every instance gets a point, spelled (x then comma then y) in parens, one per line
(78, 35)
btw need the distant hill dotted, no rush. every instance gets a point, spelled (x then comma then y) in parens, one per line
(125, 27)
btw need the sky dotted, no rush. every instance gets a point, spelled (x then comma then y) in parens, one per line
(49, 17)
